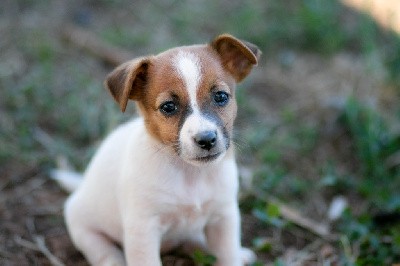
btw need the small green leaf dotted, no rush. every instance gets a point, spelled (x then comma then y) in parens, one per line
(201, 258)
(262, 244)
(273, 210)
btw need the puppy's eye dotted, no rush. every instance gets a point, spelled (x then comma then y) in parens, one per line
(168, 108)
(221, 98)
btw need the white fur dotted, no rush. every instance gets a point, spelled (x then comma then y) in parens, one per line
(194, 124)
(189, 69)
(139, 194)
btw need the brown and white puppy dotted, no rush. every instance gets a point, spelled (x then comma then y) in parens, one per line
(168, 178)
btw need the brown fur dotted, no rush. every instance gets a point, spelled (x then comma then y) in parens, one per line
(238, 56)
(149, 81)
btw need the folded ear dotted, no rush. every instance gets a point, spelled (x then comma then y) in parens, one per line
(238, 57)
(127, 81)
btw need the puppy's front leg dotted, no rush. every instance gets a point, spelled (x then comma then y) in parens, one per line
(223, 238)
(142, 243)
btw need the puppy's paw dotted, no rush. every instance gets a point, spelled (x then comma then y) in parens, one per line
(113, 261)
(247, 256)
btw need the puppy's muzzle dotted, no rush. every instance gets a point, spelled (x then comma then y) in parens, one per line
(206, 140)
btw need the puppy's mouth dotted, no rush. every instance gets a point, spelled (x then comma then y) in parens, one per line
(207, 158)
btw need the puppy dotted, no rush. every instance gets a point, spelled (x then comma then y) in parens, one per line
(168, 178)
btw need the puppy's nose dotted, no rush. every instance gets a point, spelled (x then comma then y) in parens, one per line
(206, 139)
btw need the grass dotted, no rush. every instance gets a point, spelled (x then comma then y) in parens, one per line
(55, 104)
(369, 237)
(377, 148)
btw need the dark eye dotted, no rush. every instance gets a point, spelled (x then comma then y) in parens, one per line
(221, 98)
(168, 108)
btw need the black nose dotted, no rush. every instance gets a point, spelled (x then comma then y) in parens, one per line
(206, 139)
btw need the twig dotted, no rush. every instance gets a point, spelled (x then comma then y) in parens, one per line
(39, 246)
(44, 139)
(39, 240)
(44, 211)
(296, 217)
(292, 215)
(25, 243)
(90, 42)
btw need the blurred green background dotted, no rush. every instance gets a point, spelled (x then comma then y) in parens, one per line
(318, 118)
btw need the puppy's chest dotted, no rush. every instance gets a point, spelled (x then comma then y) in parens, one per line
(189, 205)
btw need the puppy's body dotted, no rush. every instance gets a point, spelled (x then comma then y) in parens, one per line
(180, 198)
(170, 177)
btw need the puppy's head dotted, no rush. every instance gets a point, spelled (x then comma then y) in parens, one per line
(187, 94)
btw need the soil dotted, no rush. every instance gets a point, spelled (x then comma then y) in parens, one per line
(32, 226)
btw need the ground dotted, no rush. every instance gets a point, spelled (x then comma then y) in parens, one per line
(295, 154)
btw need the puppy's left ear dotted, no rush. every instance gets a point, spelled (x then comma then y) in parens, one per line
(238, 57)
(128, 81)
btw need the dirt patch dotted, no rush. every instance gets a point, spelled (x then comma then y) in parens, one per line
(31, 207)
(311, 84)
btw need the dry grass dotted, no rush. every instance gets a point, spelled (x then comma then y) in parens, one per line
(386, 13)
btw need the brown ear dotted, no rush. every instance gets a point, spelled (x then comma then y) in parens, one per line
(127, 81)
(238, 57)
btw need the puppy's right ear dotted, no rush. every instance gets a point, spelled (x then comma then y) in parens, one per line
(128, 80)
(238, 57)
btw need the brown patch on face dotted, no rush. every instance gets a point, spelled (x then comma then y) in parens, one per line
(165, 84)
(214, 79)
(154, 80)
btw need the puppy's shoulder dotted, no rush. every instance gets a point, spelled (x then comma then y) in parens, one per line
(122, 135)
(127, 129)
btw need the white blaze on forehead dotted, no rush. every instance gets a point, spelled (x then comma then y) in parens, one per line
(188, 67)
